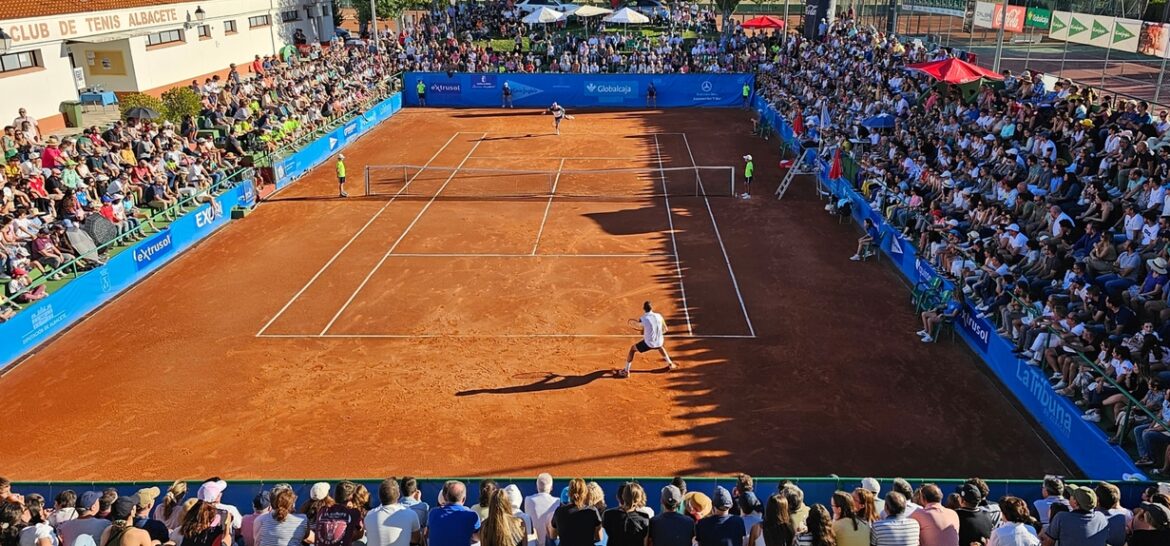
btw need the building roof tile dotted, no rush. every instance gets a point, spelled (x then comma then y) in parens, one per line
(27, 9)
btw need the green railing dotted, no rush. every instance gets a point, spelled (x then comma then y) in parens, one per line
(78, 265)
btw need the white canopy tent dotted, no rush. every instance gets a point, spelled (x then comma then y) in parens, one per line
(543, 16)
(585, 12)
(627, 16)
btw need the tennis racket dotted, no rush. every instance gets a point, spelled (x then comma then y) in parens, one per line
(634, 324)
(567, 116)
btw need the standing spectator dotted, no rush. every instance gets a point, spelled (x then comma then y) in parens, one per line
(501, 527)
(156, 529)
(64, 508)
(486, 489)
(576, 523)
(392, 523)
(452, 524)
(23, 118)
(281, 527)
(848, 527)
(1052, 493)
(975, 525)
(1081, 526)
(87, 525)
(819, 530)
(260, 505)
(341, 175)
(720, 528)
(339, 524)
(1018, 527)
(895, 529)
(937, 524)
(37, 531)
(627, 525)
(671, 528)
(122, 531)
(412, 498)
(540, 507)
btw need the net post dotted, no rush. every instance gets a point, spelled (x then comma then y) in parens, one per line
(731, 189)
(367, 169)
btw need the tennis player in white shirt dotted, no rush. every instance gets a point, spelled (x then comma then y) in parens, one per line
(558, 113)
(653, 334)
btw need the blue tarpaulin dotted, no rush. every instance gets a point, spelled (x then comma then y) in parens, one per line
(579, 90)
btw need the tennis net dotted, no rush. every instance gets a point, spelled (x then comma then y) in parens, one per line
(637, 182)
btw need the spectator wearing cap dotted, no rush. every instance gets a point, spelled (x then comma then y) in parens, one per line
(87, 527)
(937, 524)
(670, 527)
(895, 528)
(451, 523)
(121, 531)
(340, 523)
(205, 524)
(1109, 503)
(212, 491)
(875, 487)
(720, 528)
(157, 530)
(261, 504)
(1018, 527)
(975, 524)
(627, 524)
(1081, 526)
(749, 509)
(1151, 525)
(37, 531)
(281, 526)
(392, 523)
(516, 500)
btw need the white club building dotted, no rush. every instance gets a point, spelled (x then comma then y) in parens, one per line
(51, 50)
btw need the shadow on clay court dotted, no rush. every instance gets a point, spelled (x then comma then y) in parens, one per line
(501, 113)
(552, 381)
(518, 137)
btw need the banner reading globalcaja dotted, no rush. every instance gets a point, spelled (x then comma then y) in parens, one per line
(578, 90)
(1082, 441)
(48, 317)
(292, 167)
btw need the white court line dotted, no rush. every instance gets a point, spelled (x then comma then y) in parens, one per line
(354, 238)
(489, 255)
(491, 336)
(718, 237)
(547, 207)
(670, 222)
(539, 158)
(402, 236)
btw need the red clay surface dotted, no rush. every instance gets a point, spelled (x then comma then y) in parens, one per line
(506, 364)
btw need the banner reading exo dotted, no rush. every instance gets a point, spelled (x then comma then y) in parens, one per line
(578, 90)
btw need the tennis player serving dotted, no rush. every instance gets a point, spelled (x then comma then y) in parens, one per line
(653, 328)
(559, 114)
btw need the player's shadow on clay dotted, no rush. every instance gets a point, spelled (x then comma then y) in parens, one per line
(551, 381)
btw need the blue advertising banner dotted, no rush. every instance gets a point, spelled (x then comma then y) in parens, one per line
(579, 90)
(1082, 441)
(87, 292)
(316, 152)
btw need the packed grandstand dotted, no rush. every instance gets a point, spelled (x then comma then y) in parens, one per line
(1045, 204)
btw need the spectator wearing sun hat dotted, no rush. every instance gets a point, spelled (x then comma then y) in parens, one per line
(1082, 526)
(156, 529)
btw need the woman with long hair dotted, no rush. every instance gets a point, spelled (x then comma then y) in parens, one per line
(340, 523)
(819, 528)
(576, 522)
(1018, 527)
(319, 500)
(205, 525)
(282, 527)
(627, 524)
(501, 527)
(864, 505)
(168, 510)
(776, 528)
(849, 528)
(11, 523)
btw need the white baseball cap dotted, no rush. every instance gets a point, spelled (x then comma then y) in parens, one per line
(340, 156)
(747, 157)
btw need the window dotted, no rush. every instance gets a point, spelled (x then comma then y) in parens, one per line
(290, 16)
(229, 27)
(204, 32)
(325, 10)
(164, 37)
(18, 61)
(259, 21)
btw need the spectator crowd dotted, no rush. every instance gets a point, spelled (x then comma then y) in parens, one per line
(347, 515)
(1044, 203)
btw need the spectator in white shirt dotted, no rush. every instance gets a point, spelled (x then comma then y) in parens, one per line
(1018, 526)
(1052, 493)
(541, 506)
(392, 524)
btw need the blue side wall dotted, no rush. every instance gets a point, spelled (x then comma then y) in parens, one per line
(578, 90)
(1082, 441)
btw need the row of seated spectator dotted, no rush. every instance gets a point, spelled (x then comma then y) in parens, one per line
(1046, 209)
(347, 515)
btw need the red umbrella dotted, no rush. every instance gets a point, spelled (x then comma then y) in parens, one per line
(764, 21)
(954, 71)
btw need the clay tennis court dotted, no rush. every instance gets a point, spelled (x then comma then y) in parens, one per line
(465, 320)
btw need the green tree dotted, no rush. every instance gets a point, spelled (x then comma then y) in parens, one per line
(727, 7)
(134, 100)
(180, 102)
(387, 9)
(335, 9)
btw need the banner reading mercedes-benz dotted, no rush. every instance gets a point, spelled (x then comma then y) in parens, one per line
(579, 90)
